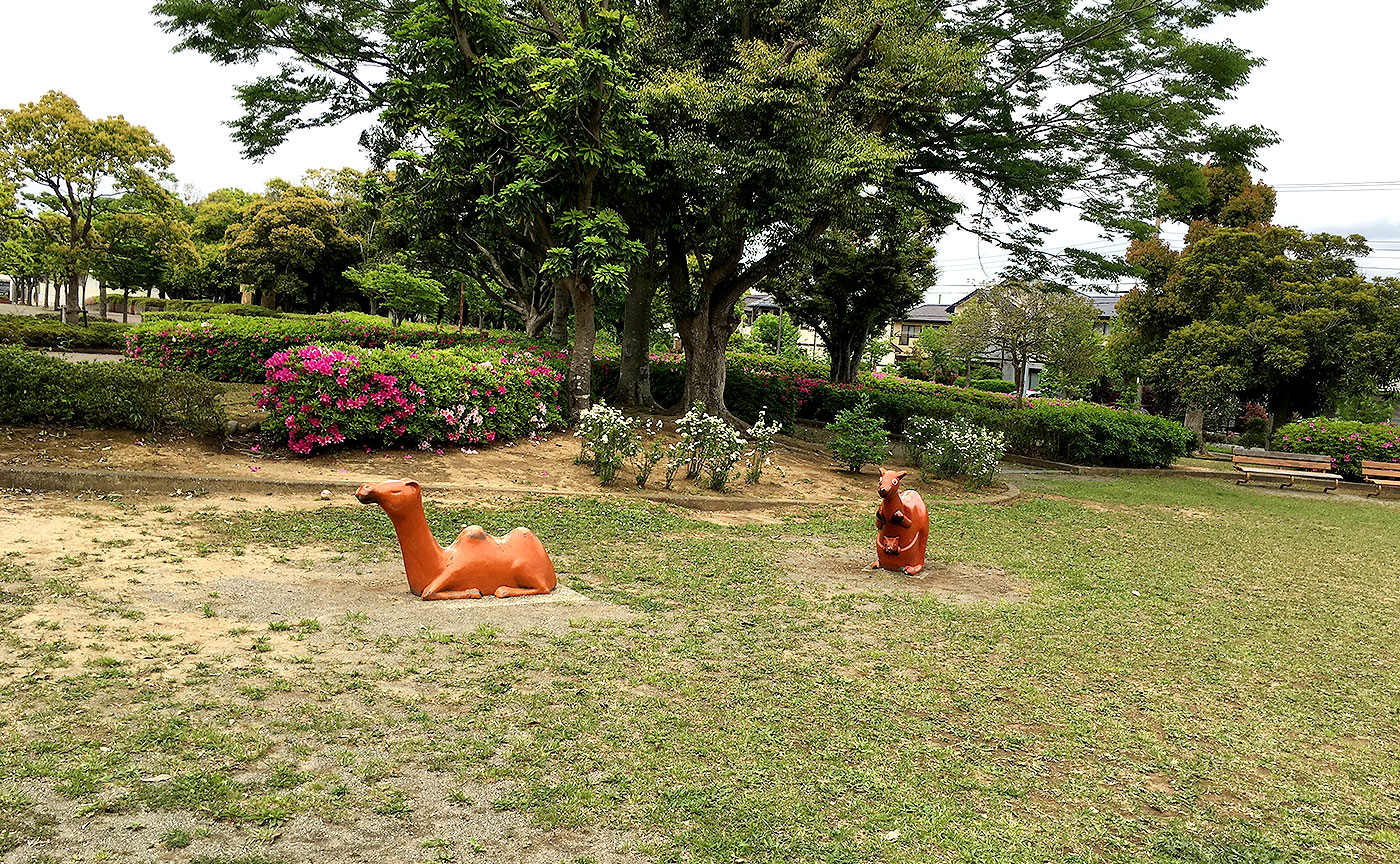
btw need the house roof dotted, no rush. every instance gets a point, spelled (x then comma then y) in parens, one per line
(936, 313)
(1106, 305)
(929, 313)
(760, 301)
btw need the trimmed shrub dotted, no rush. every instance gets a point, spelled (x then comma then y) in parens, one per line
(323, 395)
(25, 330)
(994, 385)
(1088, 434)
(860, 439)
(35, 388)
(231, 348)
(1346, 441)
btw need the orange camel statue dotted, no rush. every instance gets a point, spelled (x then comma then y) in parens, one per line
(477, 564)
(901, 527)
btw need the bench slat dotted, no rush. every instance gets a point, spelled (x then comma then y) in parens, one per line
(1284, 463)
(1306, 475)
(1280, 454)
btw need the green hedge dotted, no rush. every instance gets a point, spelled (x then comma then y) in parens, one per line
(25, 330)
(36, 388)
(321, 395)
(232, 348)
(994, 385)
(1346, 441)
(1088, 434)
(1062, 430)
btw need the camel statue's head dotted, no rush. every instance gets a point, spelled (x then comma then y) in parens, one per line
(889, 481)
(392, 495)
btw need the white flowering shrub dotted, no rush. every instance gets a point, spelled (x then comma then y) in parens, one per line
(708, 447)
(649, 452)
(954, 448)
(605, 440)
(761, 437)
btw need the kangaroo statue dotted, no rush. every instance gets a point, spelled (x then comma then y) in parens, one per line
(901, 527)
(477, 564)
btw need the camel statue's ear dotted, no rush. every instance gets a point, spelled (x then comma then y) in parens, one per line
(413, 483)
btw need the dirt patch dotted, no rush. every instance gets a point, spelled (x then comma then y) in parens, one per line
(849, 570)
(546, 464)
(142, 577)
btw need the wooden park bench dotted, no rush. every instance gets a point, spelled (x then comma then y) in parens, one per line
(1292, 466)
(1382, 474)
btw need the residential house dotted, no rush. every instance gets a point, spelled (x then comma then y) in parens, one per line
(766, 304)
(905, 330)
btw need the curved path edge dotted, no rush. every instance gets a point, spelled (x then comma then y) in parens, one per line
(92, 480)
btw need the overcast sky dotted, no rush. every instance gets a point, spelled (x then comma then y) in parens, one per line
(1326, 89)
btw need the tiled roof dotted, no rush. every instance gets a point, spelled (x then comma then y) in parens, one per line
(928, 313)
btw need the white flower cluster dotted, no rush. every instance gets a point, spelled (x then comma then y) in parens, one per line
(762, 435)
(605, 440)
(708, 447)
(954, 448)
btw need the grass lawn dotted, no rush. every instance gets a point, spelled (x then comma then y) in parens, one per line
(1190, 672)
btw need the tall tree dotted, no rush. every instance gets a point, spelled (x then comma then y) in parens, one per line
(1025, 322)
(292, 249)
(84, 169)
(142, 250)
(858, 282)
(532, 107)
(1263, 313)
(776, 118)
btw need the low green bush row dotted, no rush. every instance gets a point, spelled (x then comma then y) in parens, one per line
(24, 330)
(321, 395)
(35, 388)
(232, 348)
(144, 305)
(1060, 430)
(1348, 442)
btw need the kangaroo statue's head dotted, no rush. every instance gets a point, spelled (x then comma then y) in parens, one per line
(889, 482)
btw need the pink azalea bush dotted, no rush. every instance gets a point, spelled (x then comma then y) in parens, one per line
(321, 395)
(1346, 441)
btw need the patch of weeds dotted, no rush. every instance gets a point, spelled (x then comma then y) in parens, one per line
(21, 821)
(279, 626)
(176, 838)
(1178, 847)
(393, 802)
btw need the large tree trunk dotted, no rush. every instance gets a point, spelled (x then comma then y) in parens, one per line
(581, 358)
(102, 300)
(1019, 364)
(705, 336)
(559, 325)
(126, 302)
(845, 358)
(1196, 422)
(634, 376)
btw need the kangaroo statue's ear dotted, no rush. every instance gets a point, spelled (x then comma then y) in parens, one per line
(413, 483)
(900, 475)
